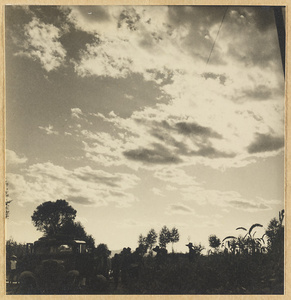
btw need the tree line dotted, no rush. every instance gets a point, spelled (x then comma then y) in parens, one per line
(242, 264)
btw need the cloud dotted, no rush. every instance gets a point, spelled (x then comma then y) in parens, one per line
(158, 192)
(83, 185)
(179, 208)
(265, 143)
(158, 154)
(222, 77)
(175, 176)
(42, 43)
(245, 205)
(225, 199)
(216, 134)
(188, 128)
(127, 96)
(14, 159)
(76, 113)
(129, 18)
(49, 130)
(260, 92)
(205, 120)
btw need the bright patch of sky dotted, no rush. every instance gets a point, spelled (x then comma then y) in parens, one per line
(116, 110)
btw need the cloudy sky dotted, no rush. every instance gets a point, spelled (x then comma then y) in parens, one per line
(145, 116)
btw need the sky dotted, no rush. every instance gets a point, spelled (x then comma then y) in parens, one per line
(144, 116)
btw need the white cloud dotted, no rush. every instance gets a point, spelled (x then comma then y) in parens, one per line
(42, 43)
(49, 130)
(76, 113)
(84, 185)
(13, 158)
(225, 199)
(223, 99)
(157, 192)
(127, 96)
(180, 209)
(214, 132)
(176, 176)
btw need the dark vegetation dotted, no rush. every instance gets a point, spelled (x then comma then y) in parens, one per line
(242, 264)
(8, 200)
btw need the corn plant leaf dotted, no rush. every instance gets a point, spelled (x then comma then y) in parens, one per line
(241, 228)
(229, 237)
(254, 226)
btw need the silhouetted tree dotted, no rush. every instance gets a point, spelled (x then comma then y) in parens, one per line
(275, 234)
(151, 239)
(102, 254)
(142, 244)
(174, 237)
(14, 248)
(76, 230)
(198, 249)
(49, 217)
(164, 237)
(214, 242)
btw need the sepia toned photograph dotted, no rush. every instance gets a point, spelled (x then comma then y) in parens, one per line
(145, 149)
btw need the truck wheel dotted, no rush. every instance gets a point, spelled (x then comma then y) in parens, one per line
(72, 281)
(27, 283)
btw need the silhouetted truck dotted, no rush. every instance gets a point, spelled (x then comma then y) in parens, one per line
(57, 265)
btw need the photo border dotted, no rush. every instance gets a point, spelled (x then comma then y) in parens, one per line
(287, 185)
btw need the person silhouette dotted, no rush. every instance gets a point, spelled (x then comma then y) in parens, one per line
(13, 268)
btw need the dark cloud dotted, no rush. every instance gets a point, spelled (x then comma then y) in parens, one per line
(222, 78)
(129, 18)
(198, 134)
(260, 92)
(211, 152)
(157, 155)
(17, 12)
(251, 48)
(262, 16)
(195, 129)
(256, 117)
(260, 48)
(162, 130)
(16, 17)
(74, 49)
(265, 143)
(199, 19)
(50, 14)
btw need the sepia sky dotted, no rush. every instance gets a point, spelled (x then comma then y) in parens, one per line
(144, 116)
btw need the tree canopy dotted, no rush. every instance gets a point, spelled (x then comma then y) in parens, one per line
(164, 237)
(49, 217)
(76, 230)
(174, 237)
(151, 239)
(214, 242)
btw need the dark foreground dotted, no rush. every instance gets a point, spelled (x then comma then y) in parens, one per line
(218, 273)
